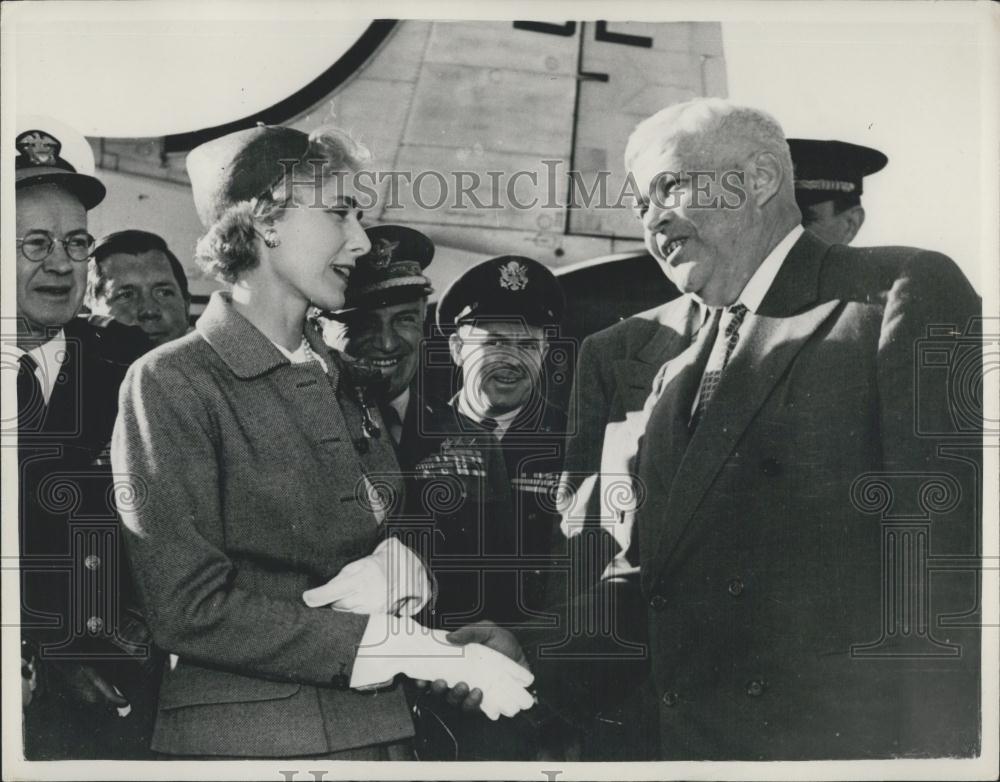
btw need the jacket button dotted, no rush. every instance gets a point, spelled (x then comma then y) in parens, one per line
(670, 699)
(340, 681)
(770, 467)
(658, 602)
(735, 587)
(92, 562)
(755, 688)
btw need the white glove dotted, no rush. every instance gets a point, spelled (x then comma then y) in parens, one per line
(394, 645)
(390, 580)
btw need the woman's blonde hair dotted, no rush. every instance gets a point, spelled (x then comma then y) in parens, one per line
(229, 248)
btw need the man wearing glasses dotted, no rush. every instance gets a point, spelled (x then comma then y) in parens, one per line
(81, 698)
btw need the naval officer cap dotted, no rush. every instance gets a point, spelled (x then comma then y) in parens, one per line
(51, 152)
(825, 170)
(392, 272)
(241, 166)
(504, 288)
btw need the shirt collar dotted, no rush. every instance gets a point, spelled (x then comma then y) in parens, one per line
(762, 279)
(504, 420)
(49, 356)
(246, 351)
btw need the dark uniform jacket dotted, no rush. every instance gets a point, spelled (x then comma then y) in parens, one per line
(787, 544)
(78, 604)
(493, 509)
(250, 470)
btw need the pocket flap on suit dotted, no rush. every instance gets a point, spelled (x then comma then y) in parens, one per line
(192, 685)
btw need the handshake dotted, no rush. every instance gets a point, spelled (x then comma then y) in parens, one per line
(482, 664)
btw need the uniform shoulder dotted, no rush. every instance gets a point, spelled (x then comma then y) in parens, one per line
(176, 359)
(111, 341)
(554, 417)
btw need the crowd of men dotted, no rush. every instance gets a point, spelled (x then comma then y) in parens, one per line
(692, 510)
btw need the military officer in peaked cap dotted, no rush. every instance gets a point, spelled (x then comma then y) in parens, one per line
(386, 307)
(828, 184)
(499, 457)
(87, 692)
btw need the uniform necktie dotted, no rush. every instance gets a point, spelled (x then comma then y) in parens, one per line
(488, 425)
(393, 423)
(729, 334)
(30, 401)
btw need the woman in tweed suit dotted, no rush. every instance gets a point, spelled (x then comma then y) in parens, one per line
(249, 451)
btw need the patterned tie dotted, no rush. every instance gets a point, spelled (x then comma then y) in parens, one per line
(729, 334)
(30, 402)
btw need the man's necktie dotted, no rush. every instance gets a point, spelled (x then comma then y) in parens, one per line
(393, 423)
(488, 425)
(30, 402)
(729, 334)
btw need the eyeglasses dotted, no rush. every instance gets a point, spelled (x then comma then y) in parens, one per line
(37, 245)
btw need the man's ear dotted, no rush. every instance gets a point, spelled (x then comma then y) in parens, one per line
(853, 219)
(766, 176)
(455, 348)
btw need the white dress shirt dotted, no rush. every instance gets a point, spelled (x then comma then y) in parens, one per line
(504, 420)
(49, 356)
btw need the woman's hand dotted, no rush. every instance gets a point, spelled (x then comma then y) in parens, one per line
(391, 580)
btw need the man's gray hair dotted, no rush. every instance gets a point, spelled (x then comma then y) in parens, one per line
(713, 125)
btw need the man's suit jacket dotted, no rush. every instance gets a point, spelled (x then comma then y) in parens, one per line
(615, 373)
(247, 474)
(786, 544)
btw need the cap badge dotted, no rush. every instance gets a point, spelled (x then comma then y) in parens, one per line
(38, 147)
(513, 276)
(382, 252)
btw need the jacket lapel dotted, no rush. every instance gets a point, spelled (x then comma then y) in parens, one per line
(666, 431)
(768, 344)
(671, 335)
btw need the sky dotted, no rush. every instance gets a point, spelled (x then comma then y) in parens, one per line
(911, 90)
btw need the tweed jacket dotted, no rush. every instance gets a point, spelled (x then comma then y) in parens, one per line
(247, 486)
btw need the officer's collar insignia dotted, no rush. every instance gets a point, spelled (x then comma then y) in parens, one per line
(382, 252)
(38, 148)
(514, 276)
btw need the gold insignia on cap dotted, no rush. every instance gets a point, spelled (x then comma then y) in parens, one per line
(514, 276)
(382, 252)
(40, 148)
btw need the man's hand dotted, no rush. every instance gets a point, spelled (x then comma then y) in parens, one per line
(86, 685)
(489, 635)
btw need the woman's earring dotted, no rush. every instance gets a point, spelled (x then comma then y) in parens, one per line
(271, 238)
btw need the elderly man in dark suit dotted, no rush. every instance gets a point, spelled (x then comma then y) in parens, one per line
(808, 453)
